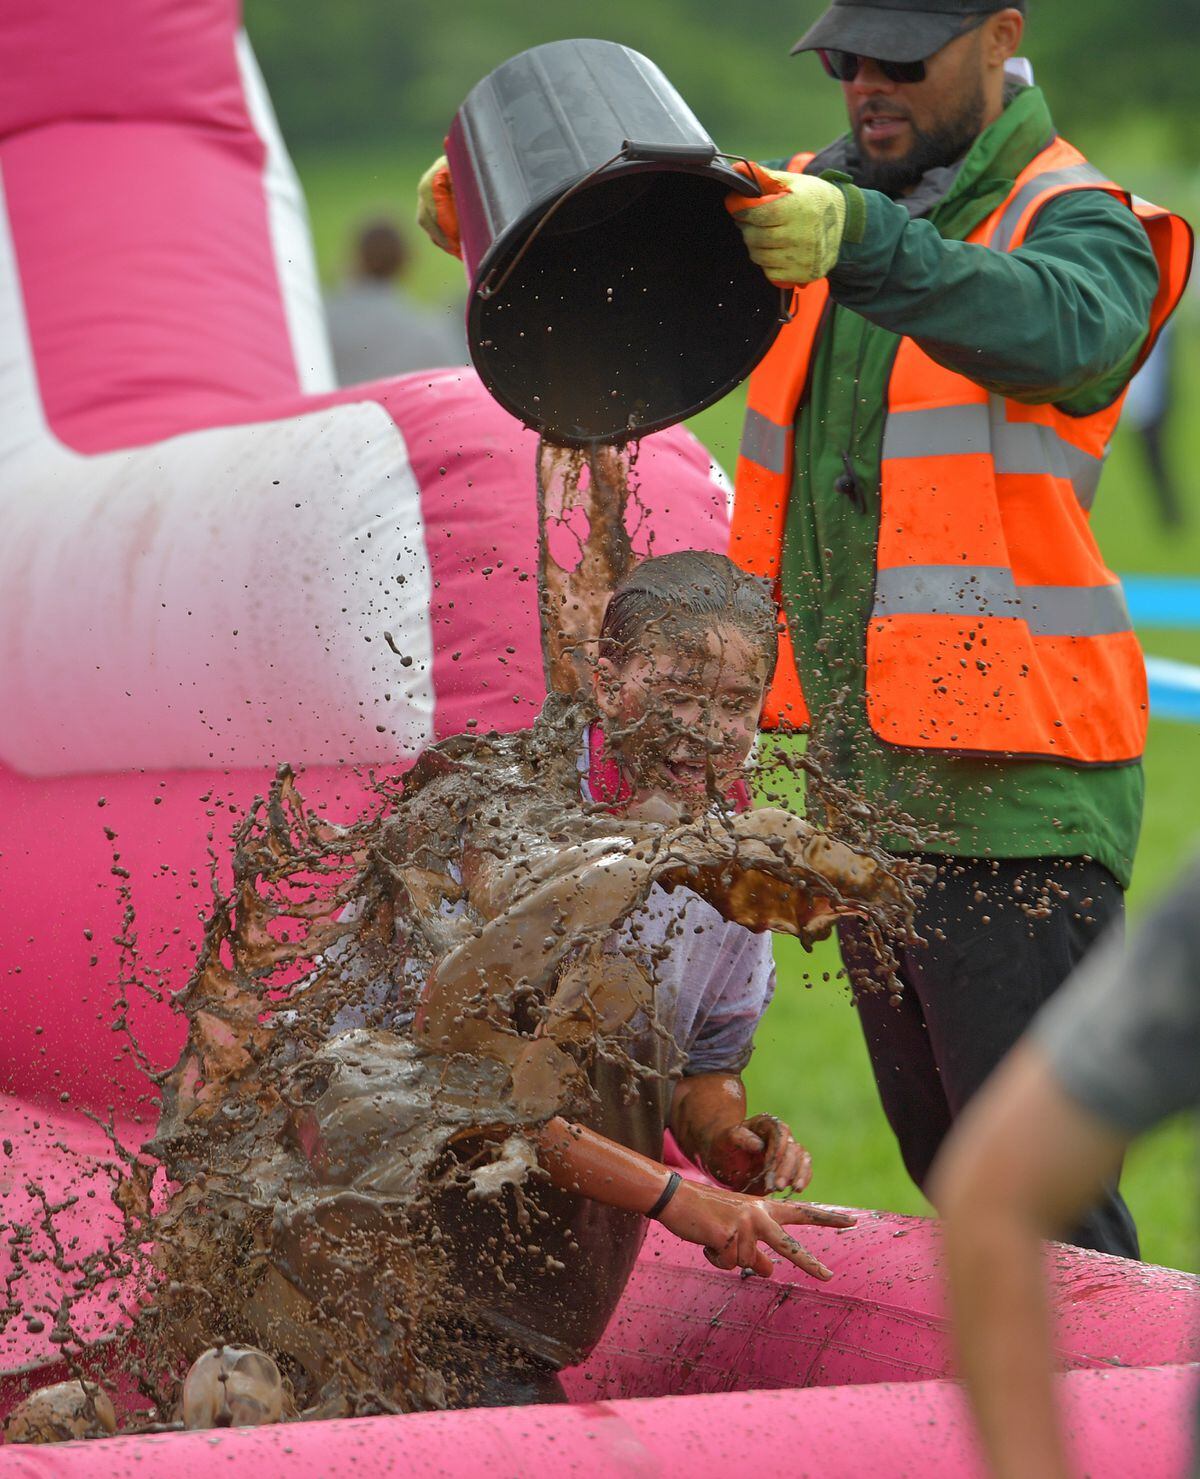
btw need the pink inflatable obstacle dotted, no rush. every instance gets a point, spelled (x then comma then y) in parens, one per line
(213, 562)
(336, 589)
(853, 1373)
(1122, 1422)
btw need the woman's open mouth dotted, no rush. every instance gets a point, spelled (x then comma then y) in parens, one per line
(688, 774)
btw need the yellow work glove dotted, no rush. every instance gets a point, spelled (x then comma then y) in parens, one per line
(436, 213)
(795, 233)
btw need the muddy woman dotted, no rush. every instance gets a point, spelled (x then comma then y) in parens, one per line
(415, 1132)
(425, 1182)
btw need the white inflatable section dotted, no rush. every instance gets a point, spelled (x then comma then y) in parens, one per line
(291, 241)
(232, 615)
(146, 626)
(721, 478)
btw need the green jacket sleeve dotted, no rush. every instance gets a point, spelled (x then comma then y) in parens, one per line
(1060, 320)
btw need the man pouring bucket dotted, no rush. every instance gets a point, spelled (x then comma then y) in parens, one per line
(922, 450)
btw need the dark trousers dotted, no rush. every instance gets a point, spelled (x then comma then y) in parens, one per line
(1001, 937)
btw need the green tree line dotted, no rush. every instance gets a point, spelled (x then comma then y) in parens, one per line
(370, 72)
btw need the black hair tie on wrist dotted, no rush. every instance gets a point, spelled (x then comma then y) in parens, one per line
(668, 1192)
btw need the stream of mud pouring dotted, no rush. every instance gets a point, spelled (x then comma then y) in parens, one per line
(379, 1015)
(579, 566)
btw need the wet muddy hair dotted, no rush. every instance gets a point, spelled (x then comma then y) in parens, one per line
(697, 588)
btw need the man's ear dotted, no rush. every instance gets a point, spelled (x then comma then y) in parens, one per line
(1003, 36)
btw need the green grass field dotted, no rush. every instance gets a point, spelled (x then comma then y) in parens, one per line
(810, 1066)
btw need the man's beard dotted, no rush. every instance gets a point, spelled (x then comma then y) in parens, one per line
(940, 146)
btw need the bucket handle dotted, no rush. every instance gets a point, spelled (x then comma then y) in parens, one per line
(487, 288)
(635, 153)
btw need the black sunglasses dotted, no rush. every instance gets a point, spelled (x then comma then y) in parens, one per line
(844, 66)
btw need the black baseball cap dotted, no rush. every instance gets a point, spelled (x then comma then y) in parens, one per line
(895, 30)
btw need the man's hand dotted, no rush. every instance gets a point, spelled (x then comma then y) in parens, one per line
(437, 214)
(730, 1227)
(758, 1156)
(795, 235)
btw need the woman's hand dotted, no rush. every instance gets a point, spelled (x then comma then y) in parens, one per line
(726, 1224)
(758, 1156)
(730, 1227)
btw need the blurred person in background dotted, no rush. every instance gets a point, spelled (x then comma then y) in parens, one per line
(922, 447)
(375, 327)
(1102, 1064)
(1147, 410)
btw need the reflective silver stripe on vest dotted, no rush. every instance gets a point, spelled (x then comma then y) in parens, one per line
(989, 590)
(946, 431)
(764, 442)
(1015, 446)
(1010, 216)
(1032, 447)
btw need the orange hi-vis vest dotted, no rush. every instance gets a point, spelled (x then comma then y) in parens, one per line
(996, 626)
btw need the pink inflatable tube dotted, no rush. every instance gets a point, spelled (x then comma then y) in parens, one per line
(851, 1375)
(1122, 1422)
(858, 1367)
(213, 561)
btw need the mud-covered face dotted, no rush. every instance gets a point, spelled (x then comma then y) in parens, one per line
(681, 709)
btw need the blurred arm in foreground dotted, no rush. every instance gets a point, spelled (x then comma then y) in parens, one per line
(1100, 1066)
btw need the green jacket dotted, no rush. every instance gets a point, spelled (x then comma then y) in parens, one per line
(1060, 320)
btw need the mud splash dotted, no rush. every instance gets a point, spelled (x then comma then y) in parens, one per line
(380, 1013)
(320, 1114)
(585, 548)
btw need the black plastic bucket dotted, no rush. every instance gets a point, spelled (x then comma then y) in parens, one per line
(611, 294)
